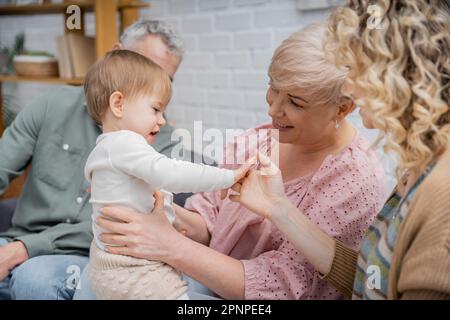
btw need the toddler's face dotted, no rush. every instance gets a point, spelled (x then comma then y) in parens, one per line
(144, 115)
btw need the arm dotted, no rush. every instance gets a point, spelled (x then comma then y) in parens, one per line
(312, 242)
(424, 275)
(152, 237)
(131, 154)
(16, 149)
(62, 238)
(18, 141)
(199, 216)
(330, 257)
(220, 273)
(421, 258)
(191, 224)
(263, 193)
(425, 295)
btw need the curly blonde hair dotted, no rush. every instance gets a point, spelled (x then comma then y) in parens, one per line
(402, 64)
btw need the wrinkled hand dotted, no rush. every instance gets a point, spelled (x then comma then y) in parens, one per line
(146, 236)
(261, 190)
(11, 255)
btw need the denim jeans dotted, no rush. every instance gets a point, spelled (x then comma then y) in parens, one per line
(196, 291)
(48, 277)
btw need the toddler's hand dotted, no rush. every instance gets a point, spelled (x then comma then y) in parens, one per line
(240, 174)
(242, 171)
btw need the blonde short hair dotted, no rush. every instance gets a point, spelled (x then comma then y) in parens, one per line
(125, 71)
(299, 62)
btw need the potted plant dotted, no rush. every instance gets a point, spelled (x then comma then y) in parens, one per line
(7, 54)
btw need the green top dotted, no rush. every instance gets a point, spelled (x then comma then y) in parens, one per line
(55, 134)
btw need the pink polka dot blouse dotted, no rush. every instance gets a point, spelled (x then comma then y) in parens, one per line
(342, 197)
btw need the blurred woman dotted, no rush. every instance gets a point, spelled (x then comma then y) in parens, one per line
(400, 77)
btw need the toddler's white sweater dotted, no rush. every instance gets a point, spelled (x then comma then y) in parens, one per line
(124, 171)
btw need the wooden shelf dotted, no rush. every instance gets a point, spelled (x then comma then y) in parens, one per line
(86, 6)
(42, 8)
(105, 29)
(132, 4)
(52, 80)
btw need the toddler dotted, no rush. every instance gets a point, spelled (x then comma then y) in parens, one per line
(126, 94)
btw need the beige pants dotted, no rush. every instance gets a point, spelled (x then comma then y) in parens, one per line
(117, 277)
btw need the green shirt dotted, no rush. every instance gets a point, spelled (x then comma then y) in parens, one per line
(55, 134)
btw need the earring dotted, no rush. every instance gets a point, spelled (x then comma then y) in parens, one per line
(336, 125)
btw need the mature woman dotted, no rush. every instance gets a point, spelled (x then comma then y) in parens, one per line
(400, 74)
(328, 172)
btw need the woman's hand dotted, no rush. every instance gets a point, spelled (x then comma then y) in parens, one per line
(243, 170)
(263, 193)
(191, 225)
(262, 190)
(146, 236)
(152, 237)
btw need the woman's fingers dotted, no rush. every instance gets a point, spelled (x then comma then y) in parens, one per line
(268, 168)
(121, 250)
(263, 159)
(240, 174)
(237, 187)
(112, 226)
(223, 194)
(159, 201)
(235, 198)
(158, 208)
(243, 170)
(117, 213)
(114, 239)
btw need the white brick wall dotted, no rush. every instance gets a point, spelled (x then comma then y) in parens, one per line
(253, 40)
(216, 42)
(197, 25)
(233, 21)
(213, 4)
(229, 43)
(232, 60)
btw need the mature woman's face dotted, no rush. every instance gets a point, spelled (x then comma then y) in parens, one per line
(299, 121)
